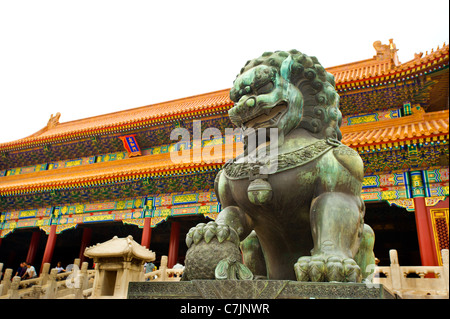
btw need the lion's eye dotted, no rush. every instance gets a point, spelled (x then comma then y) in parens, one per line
(234, 95)
(266, 88)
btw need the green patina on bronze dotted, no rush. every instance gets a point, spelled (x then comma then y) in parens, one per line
(303, 220)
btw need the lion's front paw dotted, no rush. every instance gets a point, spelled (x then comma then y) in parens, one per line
(209, 244)
(209, 231)
(327, 268)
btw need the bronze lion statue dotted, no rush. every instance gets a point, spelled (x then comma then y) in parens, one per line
(297, 214)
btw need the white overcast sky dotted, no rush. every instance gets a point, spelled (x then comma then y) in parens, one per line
(86, 58)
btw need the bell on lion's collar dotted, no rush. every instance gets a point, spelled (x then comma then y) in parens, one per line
(259, 192)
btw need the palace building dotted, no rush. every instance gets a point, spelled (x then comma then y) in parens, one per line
(78, 183)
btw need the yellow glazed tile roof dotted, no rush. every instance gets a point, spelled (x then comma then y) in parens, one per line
(419, 125)
(160, 110)
(55, 131)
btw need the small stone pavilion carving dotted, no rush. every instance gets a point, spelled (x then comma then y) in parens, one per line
(117, 262)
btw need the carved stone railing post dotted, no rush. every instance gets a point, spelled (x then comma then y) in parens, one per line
(52, 285)
(84, 272)
(396, 274)
(6, 282)
(444, 253)
(163, 268)
(82, 281)
(14, 288)
(96, 288)
(45, 273)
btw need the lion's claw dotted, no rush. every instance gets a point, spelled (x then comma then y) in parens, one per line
(327, 268)
(209, 231)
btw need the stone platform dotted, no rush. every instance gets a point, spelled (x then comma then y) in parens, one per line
(254, 289)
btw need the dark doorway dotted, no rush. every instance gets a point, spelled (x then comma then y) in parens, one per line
(67, 247)
(102, 232)
(395, 228)
(14, 248)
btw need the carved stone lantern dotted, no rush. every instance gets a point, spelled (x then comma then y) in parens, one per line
(117, 262)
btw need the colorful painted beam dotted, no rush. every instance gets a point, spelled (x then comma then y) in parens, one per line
(130, 211)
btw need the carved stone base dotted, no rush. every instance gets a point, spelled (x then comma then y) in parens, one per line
(254, 289)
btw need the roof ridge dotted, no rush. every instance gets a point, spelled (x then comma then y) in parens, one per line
(186, 99)
(374, 60)
(189, 104)
(419, 57)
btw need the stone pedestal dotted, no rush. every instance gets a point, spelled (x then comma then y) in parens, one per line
(254, 289)
(117, 262)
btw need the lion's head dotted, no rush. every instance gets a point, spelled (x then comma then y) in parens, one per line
(286, 90)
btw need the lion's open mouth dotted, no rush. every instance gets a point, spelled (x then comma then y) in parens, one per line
(267, 119)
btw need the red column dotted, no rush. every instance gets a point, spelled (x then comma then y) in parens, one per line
(173, 245)
(423, 223)
(34, 244)
(424, 233)
(87, 234)
(50, 246)
(147, 232)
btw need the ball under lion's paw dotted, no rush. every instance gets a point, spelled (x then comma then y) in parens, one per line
(209, 244)
(322, 268)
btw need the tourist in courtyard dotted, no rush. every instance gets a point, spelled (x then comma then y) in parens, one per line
(30, 273)
(178, 266)
(149, 267)
(21, 270)
(59, 267)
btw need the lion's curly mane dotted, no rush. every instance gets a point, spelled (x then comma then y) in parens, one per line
(321, 115)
